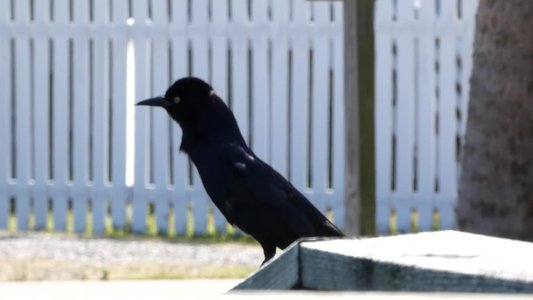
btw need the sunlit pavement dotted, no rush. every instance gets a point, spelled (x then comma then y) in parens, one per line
(201, 289)
(101, 290)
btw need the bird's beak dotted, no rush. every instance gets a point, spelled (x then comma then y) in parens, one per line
(156, 101)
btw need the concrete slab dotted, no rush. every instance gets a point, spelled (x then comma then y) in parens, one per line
(449, 261)
(449, 250)
(312, 295)
(200, 289)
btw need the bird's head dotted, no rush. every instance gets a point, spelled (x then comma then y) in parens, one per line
(198, 110)
(184, 99)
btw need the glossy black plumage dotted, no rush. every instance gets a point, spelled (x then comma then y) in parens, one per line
(250, 194)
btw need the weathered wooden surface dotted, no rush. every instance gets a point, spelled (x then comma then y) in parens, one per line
(352, 192)
(279, 274)
(433, 261)
(359, 199)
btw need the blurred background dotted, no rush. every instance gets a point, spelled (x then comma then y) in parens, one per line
(77, 157)
(76, 145)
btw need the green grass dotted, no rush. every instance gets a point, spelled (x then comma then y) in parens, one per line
(229, 234)
(393, 227)
(212, 236)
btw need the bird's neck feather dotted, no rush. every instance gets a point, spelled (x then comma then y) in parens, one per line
(211, 127)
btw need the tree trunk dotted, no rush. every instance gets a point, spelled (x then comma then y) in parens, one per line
(496, 188)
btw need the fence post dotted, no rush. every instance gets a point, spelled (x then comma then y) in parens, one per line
(359, 117)
(5, 112)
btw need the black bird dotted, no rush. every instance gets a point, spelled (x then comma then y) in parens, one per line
(248, 192)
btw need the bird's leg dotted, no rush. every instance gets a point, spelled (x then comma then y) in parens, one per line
(269, 252)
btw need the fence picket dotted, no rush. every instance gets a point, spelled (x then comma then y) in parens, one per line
(118, 123)
(60, 92)
(41, 118)
(446, 160)
(404, 122)
(338, 118)
(160, 121)
(425, 139)
(23, 117)
(299, 100)
(259, 92)
(468, 9)
(239, 70)
(142, 141)
(5, 111)
(383, 113)
(100, 123)
(279, 85)
(80, 102)
(160, 153)
(320, 58)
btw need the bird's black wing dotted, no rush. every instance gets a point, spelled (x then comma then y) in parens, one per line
(266, 205)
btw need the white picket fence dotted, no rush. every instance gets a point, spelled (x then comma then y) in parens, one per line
(71, 138)
(424, 62)
(72, 70)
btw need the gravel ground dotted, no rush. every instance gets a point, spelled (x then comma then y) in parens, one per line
(45, 256)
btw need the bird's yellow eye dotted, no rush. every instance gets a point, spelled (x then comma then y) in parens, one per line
(176, 100)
